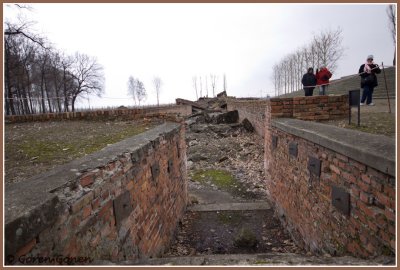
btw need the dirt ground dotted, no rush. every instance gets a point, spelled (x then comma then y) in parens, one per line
(223, 232)
(33, 148)
(225, 165)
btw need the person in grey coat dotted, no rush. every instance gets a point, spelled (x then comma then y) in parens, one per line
(369, 81)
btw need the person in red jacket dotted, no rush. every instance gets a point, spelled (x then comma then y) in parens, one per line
(323, 75)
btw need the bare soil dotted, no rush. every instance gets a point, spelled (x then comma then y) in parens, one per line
(221, 232)
(33, 148)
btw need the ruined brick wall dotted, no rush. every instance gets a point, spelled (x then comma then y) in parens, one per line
(180, 110)
(307, 201)
(123, 202)
(315, 108)
(253, 110)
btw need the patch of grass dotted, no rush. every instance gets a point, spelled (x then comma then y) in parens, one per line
(224, 180)
(262, 262)
(33, 148)
(46, 151)
(220, 178)
(380, 123)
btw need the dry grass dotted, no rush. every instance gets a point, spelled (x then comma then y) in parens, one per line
(33, 148)
(373, 119)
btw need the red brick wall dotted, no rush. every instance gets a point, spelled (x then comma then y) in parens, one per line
(315, 108)
(182, 110)
(253, 110)
(152, 176)
(306, 206)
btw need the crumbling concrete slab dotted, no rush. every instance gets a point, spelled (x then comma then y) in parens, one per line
(230, 207)
(263, 259)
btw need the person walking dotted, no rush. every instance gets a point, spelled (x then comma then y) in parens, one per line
(367, 72)
(309, 82)
(323, 75)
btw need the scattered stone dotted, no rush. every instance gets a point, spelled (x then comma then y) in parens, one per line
(247, 125)
(222, 159)
(222, 94)
(197, 157)
(193, 143)
(227, 118)
(190, 164)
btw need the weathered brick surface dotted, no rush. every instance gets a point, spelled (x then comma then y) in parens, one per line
(88, 226)
(316, 108)
(304, 202)
(159, 112)
(253, 110)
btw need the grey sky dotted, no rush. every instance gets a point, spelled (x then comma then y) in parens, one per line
(178, 41)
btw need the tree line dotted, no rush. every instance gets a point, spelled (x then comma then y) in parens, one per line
(197, 82)
(325, 49)
(138, 92)
(38, 78)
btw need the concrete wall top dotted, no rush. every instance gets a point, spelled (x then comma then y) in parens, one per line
(377, 151)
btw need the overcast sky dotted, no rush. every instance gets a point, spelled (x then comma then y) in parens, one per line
(179, 41)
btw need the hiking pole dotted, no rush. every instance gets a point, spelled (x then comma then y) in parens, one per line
(387, 92)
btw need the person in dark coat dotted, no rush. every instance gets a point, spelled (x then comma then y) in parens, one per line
(323, 75)
(309, 82)
(369, 81)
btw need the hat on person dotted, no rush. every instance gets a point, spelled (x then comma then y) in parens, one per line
(370, 56)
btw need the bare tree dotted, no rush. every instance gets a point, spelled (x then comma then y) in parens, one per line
(40, 79)
(213, 78)
(132, 88)
(56, 78)
(391, 12)
(206, 86)
(275, 78)
(43, 65)
(88, 75)
(67, 80)
(201, 88)
(300, 67)
(224, 83)
(194, 80)
(21, 26)
(328, 49)
(157, 86)
(140, 91)
(324, 49)
(17, 62)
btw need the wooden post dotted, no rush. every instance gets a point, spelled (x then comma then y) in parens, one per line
(387, 92)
